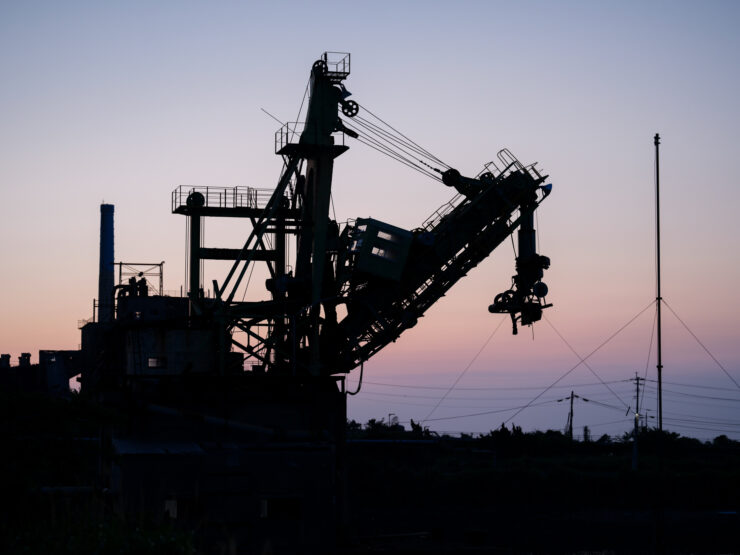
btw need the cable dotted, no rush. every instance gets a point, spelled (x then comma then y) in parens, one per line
(702, 428)
(572, 386)
(605, 405)
(728, 423)
(400, 403)
(486, 412)
(436, 397)
(429, 154)
(624, 420)
(702, 345)
(383, 135)
(394, 144)
(699, 396)
(513, 246)
(375, 144)
(583, 360)
(249, 279)
(359, 383)
(305, 94)
(694, 385)
(650, 351)
(464, 371)
(405, 144)
(714, 405)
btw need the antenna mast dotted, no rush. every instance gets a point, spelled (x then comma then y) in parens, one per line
(658, 297)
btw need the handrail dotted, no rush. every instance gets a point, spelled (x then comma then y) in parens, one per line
(222, 197)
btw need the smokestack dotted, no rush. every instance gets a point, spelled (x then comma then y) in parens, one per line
(105, 275)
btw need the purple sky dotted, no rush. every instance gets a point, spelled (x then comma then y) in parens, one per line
(122, 102)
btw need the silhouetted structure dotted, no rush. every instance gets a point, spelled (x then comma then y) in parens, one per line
(105, 274)
(51, 375)
(236, 409)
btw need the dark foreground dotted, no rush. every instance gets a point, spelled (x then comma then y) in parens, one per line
(507, 492)
(454, 496)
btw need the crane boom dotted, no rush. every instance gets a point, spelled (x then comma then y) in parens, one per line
(445, 249)
(353, 289)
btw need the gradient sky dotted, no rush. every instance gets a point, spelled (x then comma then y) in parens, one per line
(123, 101)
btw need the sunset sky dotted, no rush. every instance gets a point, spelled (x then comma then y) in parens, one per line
(120, 102)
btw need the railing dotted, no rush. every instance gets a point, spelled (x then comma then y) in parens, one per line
(82, 323)
(337, 64)
(512, 164)
(222, 197)
(507, 163)
(296, 132)
(288, 134)
(432, 221)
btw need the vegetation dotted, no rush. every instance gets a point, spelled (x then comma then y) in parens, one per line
(531, 491)
(515, 441)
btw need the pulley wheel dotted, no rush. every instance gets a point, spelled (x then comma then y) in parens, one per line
(350, 108)
(319, 66)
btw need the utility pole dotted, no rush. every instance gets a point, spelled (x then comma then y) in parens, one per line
(570, 418)
(637, 422)
(645, 420)
(658, 297)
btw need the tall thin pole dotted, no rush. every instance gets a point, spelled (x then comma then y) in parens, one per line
(570, 418)
(637, 422)
(658, 297)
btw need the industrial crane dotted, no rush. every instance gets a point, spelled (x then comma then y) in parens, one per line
(354, 288)
(233, 410)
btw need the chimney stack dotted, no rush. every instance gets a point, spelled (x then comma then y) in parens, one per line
(105, 275)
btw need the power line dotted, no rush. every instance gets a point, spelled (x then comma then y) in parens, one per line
(728, 423)
(583, 360)
(465, 370)
(505, 388)
(699, 396)
(436, 397)
(369, 396)
(701, 428)
(622, 421)
(715, 405)
(498, 411)
(683, 384)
